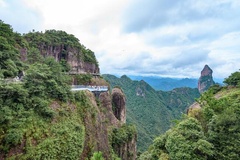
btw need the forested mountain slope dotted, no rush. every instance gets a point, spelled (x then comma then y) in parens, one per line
(152, 111)
(40, 117)
(210, 131)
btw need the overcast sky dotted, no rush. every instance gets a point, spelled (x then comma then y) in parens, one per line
(173, 38)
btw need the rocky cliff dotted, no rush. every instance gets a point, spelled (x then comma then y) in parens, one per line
(119, 104)
(101, 127)
(126, 147)
(63, 47)
(206, 79)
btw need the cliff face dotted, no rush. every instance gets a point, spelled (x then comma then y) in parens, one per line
(63, 46)
(96, 132)
(98, 127)
(73, 56)
(119, 104)
(206, 80)
(126, 148)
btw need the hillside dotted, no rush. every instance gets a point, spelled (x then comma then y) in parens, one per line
(209, 131)
(167, 84)
(41, 118)
(151, 111)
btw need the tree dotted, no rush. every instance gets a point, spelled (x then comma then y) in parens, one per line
(34, 56)
(10, 63)
(184, 141)
(233, 79)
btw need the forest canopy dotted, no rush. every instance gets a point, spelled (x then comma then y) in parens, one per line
(209, 132)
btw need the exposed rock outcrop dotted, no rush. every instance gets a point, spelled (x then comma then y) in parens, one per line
(63, 46)
(119, 104)
(206, 80)
(128, 150)
(100, 120)
(140, 92)
(96, 132)
(72, 56)
(106, 105)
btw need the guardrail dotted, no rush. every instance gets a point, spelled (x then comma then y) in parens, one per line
(90, 88)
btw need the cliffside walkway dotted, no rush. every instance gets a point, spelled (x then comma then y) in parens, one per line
(90, 88)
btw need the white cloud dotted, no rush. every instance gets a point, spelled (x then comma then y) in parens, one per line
(165, 38)
(2, 3)
(19, 16)
(225, 53)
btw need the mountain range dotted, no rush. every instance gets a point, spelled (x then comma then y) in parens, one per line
(152, 111)
(42, 118)
(168, 84)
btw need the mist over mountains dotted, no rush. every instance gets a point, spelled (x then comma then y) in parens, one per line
(168, 84)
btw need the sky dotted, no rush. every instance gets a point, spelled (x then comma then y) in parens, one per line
(168, 38)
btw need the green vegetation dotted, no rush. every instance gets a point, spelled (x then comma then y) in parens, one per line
(233, 79)
(36, 118)
(151, 111)
(83, 78)
(97, 156)
(10, 63)
(123, 134)
(36, 115)
(52, 40)
(40, 117)
(211, 132)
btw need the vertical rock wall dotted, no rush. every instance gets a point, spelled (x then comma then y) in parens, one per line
(206, 80)
(100, 119)
(119, 104)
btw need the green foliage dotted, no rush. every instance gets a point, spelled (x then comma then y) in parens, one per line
(10, 64)
(40, 117)
(184, 141)
(13, 137)
(208, 133)
(215, 88)
(64, 42)
(153, 112)
(97, 156)
(233, 79)
(45, 132)
(83, 78)
(123, 134)
(47, 80)
(6, 36)
(65, 66)
(34, 56)
(89, 56)
(65, 141)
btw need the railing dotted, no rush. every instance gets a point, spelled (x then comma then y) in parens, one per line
(12, 80)
(76, 72)
(90, 88)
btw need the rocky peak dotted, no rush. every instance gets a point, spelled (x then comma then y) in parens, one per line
(207, 71)
(206, 80)
(119, 104)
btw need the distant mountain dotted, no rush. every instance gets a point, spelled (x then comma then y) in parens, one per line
(151, 111)
(167, 84)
